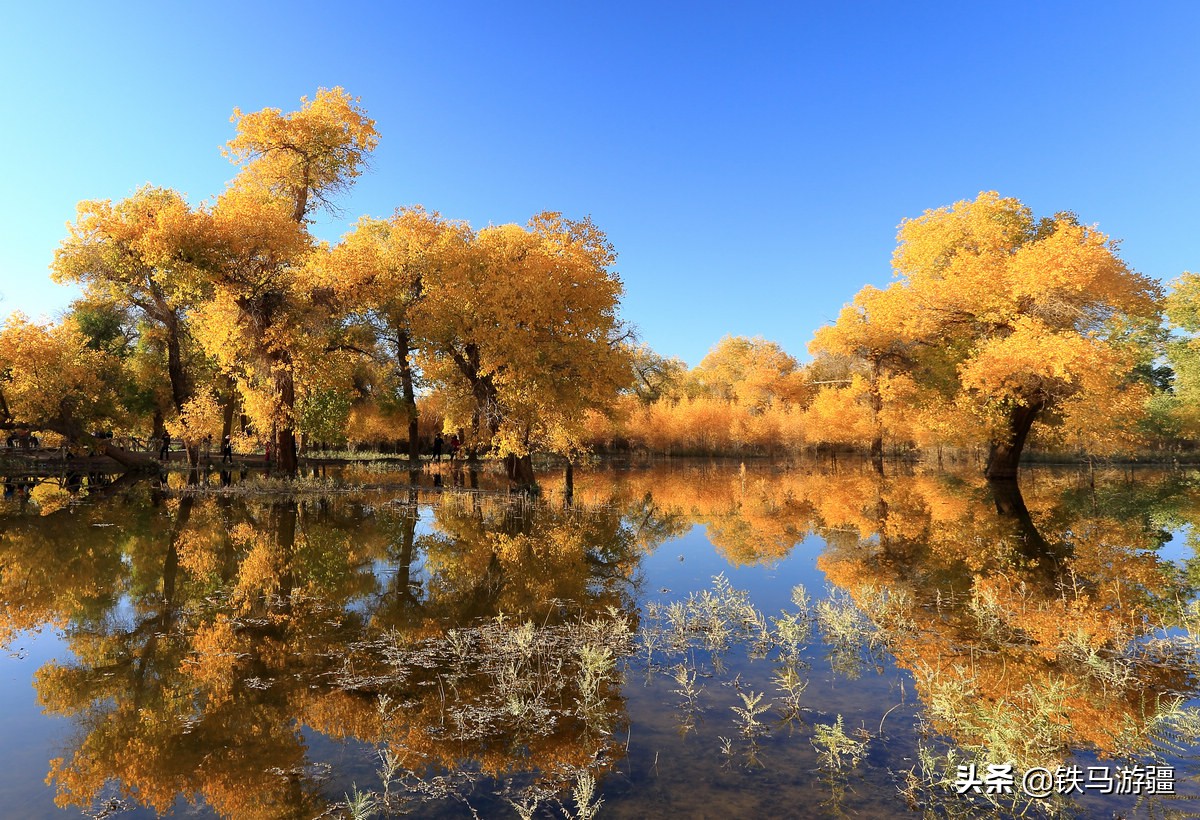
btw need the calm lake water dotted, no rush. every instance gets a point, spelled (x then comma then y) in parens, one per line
(688, 640)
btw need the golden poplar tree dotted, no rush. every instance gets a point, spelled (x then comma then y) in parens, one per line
(755, 373)
(378, 274)
(140, 254)
(1019, 319)
(51, 379)
(523, 332)
(291, 164)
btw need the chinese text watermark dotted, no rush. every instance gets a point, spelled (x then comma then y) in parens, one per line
(1001, 778)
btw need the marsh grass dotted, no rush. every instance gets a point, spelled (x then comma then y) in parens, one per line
(837, 755)
(500, 682)
(713, 620)
(988, 615)
(355, 456)
(587, 804)
(929, 788)
(685, 640)
(361, 805)
(688, 709)
(749, 712)
(835, 749)
(788, 681)
(274, 487)
(1030, 726)
(852, 637)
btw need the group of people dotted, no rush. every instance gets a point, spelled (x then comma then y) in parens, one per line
(26, 440)
(164, 452)
(439, 444)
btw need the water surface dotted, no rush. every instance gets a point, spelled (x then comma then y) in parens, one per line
(691, 640)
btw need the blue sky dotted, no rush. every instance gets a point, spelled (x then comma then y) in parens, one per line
(749, 163)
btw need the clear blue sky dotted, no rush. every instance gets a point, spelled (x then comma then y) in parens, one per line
(749, 162)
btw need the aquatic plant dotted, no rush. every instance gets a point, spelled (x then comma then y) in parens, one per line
(362, 805)
(587, 804)
(788, 681)
(835, 748)
(749, 712)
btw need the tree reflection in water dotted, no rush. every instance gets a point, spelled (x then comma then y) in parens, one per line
(475, 646)
(1031, 632)
(251, 623)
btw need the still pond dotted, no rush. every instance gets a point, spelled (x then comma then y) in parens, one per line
(678, 640)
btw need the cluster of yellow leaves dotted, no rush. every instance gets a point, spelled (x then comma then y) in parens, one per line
(259, 569)
(199, 552)
(381, 263)
(315, 151)
(50, 497)
(1034, 359)
(996, 310)
(708, 424)
(842, 416)
(369, 423)
(521, 331)
(141, 251)
(49, 374)
(754, 373)
(202, 417)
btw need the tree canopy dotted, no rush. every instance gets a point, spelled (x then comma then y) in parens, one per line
(1014, 319)
(238, 309)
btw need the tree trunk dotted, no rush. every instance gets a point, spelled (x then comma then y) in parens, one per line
(410, 396)
(227, 412)
(127, 459)
(876, 423)
(180, 389)
(286, 515)
(1010, 504)
(1039, 555)
(1004, 455)
(285, 445)
(171, 562)
(877, 451)
(407, 590)
(285, 439)
(485, 415)
(520, 472)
